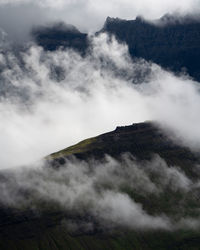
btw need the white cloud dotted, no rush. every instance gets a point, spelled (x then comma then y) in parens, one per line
(120, 209)
(84, 104)
(17, 16)
(107, 192)
(41, 114)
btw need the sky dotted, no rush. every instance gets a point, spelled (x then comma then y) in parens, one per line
(18, 16)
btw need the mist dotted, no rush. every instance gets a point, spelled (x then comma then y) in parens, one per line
(52, 100)
(17, 17)
(106, 194)
(55, 99)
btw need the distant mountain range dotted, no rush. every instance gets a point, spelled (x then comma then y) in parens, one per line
(172, 42)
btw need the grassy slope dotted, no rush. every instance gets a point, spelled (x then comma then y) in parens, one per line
(21, 232)
(142, 140)
(80, 147)
(59, 238)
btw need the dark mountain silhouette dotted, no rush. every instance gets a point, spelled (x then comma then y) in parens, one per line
(172, 42)
(60, 36)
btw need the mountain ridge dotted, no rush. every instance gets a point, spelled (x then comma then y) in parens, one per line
(172, 42)
(47, 228)
(142, 140)
(131, 188)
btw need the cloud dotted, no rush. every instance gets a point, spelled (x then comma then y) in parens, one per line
(155, 7)
(17, 20)
(109, 194)
(55, 99)
(175, 104)
(51, 100)
(42, 114)
(18, 16)
(120, 209)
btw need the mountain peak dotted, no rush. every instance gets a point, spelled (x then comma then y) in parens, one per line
(113, 19)
(110, 20)
(139, 19)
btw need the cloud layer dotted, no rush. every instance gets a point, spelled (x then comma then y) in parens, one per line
(50, 100)
(55, 99)
(107, 194)
(18, 16)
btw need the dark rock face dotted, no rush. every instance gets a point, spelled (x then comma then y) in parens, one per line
(60, 35)
(173, 43)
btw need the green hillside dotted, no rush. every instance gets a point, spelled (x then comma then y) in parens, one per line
(46, 225)
(142, 140)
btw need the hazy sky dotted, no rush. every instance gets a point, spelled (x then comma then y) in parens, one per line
(17, 16)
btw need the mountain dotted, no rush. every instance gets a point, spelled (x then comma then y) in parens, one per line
(178, 196)
(131, 188)
(60, 35)
(172, 42)
(142, 140)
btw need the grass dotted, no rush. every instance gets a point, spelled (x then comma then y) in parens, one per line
(48, 232)
(58, 238)
(80, 147)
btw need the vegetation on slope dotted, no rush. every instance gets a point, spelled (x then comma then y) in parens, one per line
(46, 227)
(143, 140)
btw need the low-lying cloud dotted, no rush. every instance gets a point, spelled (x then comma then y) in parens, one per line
(51, 100)
(109, 194)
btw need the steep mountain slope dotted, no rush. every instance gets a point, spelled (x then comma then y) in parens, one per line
(173, 43)
(45, 225)
(60, 35)
(142, 140)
